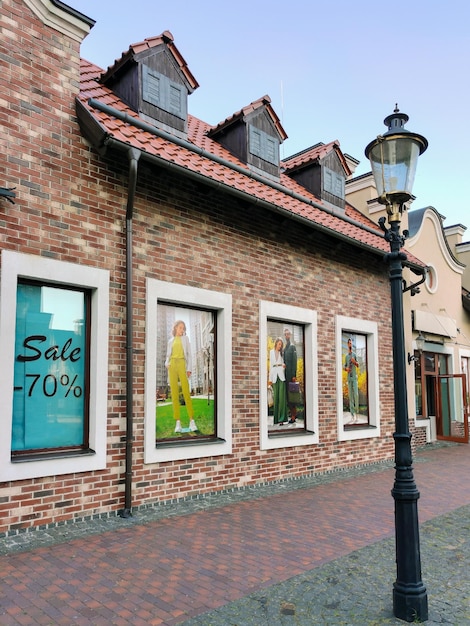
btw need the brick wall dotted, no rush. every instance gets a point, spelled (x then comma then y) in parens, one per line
(71, 206)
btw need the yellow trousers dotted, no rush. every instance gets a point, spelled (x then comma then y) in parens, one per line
(177, 372)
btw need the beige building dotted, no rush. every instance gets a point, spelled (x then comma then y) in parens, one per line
(437, 317)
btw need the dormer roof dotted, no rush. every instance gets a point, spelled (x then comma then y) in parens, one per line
(265, 103)
(147, 47)
(314, 155)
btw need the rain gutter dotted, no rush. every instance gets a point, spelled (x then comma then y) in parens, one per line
(145, 126)
(115, 144)
(153, 130)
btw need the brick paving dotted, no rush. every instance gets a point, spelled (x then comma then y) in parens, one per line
(190, 561)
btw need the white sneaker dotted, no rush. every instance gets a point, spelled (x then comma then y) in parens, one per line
(192, 425)
(178, 426)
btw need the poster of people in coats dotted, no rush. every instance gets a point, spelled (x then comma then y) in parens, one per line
(354, 378)
(286, 377)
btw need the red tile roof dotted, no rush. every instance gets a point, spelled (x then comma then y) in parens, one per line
(202, 155)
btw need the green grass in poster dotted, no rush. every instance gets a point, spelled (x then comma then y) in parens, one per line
(203, 416)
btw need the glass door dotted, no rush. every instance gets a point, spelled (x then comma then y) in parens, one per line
(451, 414)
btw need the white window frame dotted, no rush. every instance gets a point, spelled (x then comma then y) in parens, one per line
(221, 305)
(308, 318)
(370, 330)
(15, 266)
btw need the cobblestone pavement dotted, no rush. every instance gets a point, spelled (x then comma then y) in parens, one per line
(318, 550)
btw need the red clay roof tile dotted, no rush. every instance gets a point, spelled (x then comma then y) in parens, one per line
(286, 196)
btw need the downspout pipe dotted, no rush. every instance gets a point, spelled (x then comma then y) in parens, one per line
(133, 156)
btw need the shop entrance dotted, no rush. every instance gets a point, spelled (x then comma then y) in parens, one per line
(451, 415)
(441, 397)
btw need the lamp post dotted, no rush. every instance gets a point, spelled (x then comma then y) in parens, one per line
(393, 158)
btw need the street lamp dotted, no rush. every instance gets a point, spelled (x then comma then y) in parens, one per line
(420, 343)
(393, 158)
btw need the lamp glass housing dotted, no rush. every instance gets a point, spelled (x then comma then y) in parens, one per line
(420, 343)
(393, 157)
(394, 160)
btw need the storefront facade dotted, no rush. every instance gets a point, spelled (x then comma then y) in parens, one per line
(121, 241)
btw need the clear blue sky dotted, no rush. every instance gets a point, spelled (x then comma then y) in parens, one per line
(333, 70)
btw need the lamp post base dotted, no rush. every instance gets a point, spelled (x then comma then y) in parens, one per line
(410, 600)
(410, 606)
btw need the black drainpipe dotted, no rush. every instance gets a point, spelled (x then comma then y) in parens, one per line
(133, 156)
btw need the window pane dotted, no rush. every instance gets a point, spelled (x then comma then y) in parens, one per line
(339, 186)
(263, 145)
(443, 364)
(50, 359)
(175, 99)
(466, 371)
(328, 178)
(429, 362)
(418, 397)
(355, 379)
(418, 384)
(153, 85)
(271, 150)
(255, 141)
(333, 183)
(285, 360)
(186, 364)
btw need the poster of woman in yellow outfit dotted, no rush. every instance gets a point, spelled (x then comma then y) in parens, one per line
(185, 378)
(178, 364)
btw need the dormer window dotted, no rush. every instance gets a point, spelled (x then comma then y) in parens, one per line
(333, 183)
(253, 135)
(159, 90)
(153, 79)
(322, 169)
(264, 146)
